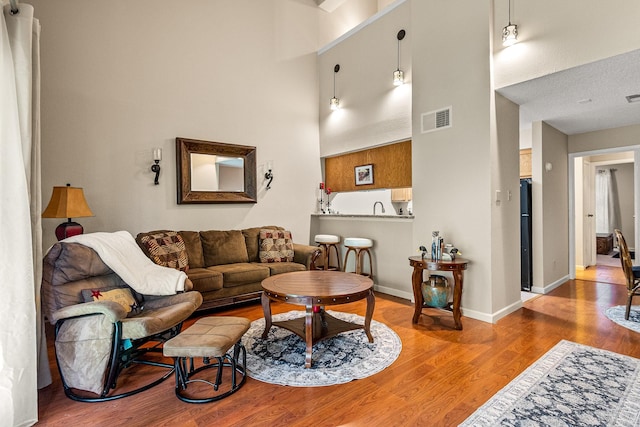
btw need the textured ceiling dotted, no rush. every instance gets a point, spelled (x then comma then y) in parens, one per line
(582, 99)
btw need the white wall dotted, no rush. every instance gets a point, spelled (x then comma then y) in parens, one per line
(120, 78)
(373, 111)
(608, 138)
(345, 17)
(557, 35)
(452, 187)
(550, 206)
(505, 211)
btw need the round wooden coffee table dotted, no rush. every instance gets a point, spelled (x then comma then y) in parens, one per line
(314, 290)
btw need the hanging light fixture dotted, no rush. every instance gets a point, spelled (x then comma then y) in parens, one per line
(398, 74)
(510, 32)
(335, 102)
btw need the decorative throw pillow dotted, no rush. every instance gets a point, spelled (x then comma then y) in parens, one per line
(275, 246)
(166, 248)
(122, 296)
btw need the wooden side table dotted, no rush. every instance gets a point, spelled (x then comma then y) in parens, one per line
(456, 266)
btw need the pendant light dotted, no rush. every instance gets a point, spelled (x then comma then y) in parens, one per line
(510, 32)
(334, 104)
(398, 74)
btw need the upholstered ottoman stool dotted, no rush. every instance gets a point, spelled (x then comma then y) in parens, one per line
(360, 247)
(327, 242)
(209, 338)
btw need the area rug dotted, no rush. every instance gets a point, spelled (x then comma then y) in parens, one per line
(570, 385)
(279, 359)
(616, 314)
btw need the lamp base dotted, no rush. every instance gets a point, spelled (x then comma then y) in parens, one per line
(68, 229)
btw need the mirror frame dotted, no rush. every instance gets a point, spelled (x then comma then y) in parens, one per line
(184, 148)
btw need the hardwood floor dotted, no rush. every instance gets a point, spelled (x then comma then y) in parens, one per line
(440, 377)
(607, 270)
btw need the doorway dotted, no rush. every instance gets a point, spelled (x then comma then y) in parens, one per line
(603, 196)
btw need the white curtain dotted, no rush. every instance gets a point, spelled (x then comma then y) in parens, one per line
(606, 202)
(23, 361)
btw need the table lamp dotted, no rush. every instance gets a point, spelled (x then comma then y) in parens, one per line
(67, 202)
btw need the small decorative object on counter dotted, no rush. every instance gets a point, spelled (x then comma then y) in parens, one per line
(436, 291)
(321, 201)
(325, 190)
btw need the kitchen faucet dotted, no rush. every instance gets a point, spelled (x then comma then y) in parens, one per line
(374, 207)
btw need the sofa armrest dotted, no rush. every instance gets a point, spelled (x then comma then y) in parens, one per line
(112, 310)
(306, 254)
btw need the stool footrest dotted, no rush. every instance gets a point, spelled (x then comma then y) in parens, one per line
(185, 377)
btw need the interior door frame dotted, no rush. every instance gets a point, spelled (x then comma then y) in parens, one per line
(572, 189)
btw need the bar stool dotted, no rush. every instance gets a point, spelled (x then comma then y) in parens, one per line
(327, 242)
(359, 246)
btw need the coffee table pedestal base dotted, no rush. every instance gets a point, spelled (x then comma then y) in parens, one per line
(317, 325)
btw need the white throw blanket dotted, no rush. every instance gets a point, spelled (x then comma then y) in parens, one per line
(123, 255)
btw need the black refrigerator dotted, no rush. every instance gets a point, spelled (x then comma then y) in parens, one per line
(526, 270)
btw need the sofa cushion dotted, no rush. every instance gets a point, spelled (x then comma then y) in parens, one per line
(205, 280)
(276, 246)
(241, 273)
(252, 240)
(223, 247)
(165, 248)
(283, 267)
(122, 296)
(194, 248)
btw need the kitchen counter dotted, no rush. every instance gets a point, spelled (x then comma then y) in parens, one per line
(392, 237)
(344, 216)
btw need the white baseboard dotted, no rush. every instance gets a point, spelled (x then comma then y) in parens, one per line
(548, 288)
(394, 292)
(478, 315)
(492, 317)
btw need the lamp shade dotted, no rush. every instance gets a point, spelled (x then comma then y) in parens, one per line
(67, 202)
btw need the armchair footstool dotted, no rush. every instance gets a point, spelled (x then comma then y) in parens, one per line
(209, 338)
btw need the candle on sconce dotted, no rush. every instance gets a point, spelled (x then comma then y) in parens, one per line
(157, 154)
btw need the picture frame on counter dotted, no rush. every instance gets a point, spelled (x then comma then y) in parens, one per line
(364, 174)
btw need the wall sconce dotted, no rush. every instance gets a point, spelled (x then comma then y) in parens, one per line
(548, 166)
(67, 202)
(269, 174)
(510, 32)
(157, 156)
(334, 104)
(398, 74)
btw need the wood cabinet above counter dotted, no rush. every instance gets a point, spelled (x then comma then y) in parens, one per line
(391, 168)
(525, 163)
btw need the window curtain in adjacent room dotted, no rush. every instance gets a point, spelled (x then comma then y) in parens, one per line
(606, 202)
(23, 357)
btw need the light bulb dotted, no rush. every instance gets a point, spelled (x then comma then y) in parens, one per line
(334, 103)
(398, 77)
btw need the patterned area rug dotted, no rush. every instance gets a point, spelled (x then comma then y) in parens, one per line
(617, 315)
(348, 356)
(571, 385)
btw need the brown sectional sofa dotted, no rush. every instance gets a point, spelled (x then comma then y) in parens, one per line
(225, 266)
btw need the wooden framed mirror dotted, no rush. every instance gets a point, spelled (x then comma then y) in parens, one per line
(215, 172)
